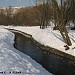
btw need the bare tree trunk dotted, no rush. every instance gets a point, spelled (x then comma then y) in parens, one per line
(65, 36)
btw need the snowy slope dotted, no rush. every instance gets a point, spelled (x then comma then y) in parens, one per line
(12, 60)
(48, 37)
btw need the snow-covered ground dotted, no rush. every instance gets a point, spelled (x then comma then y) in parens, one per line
(13, 60)
(48, 37)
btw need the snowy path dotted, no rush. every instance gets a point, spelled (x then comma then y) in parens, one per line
(12, 60)
(48, 37)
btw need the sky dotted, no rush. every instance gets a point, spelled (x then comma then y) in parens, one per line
(16, 3)
(4, 3)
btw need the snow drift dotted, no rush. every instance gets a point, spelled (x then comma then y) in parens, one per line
(12, 60)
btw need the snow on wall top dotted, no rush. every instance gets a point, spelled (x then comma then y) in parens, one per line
(48, 37)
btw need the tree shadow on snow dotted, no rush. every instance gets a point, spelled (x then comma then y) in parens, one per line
(59, 37)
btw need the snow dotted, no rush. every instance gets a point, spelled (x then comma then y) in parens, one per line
(12, 60)
(48, 37)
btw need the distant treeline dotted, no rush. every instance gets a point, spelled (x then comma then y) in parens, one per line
(61, 13)
(18, 16)
(41, 14)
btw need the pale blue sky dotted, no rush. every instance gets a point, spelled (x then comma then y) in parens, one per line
(4, 3)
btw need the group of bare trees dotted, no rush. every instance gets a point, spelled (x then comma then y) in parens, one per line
(56, 11)
(18, 16)
(6, 16)
(25, 16)
(44, 14)
(61, 12)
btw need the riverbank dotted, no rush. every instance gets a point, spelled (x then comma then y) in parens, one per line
(13, 61)
(51, 62)
(27, 30)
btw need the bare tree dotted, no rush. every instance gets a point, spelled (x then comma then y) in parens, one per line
(3, 19)
(62, 16)
(43, 7)
(9, 14)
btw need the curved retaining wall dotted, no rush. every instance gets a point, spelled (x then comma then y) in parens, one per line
(45, 48)
(53, 60)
